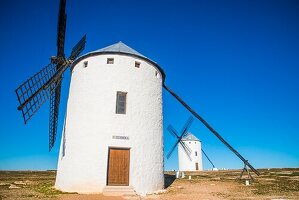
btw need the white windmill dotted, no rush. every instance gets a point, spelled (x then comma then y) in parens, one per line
(190, 161)
(189, 148)
(113, 130)
(115, 136)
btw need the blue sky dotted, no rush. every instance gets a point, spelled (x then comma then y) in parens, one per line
(235, 62)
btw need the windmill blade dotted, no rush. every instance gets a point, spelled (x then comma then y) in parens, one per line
(173, 131)
(55, 96)
(54, 112)
(31, 95)
(186, 127)
(55, 84)
(78, 48)
(204, 153)
(172, 149)
(35, 91)
(211, 129)
(61, 28)
(179, 138)
(186, 149)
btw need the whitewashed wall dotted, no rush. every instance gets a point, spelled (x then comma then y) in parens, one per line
(185, 164)
(91, 123)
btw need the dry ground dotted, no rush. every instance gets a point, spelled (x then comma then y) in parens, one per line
(272, 184)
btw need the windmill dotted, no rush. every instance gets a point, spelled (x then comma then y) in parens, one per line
(179, 138)
(184, 145)
(46, 84)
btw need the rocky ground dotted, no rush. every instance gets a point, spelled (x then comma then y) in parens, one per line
(271, 184)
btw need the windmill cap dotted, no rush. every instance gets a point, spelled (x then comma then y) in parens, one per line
(122, 49)
(190, 137)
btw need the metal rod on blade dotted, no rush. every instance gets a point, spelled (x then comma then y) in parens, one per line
(211, 129)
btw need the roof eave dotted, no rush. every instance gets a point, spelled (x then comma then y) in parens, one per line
(118, 53)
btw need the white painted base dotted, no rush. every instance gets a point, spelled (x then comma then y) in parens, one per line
(91, 124)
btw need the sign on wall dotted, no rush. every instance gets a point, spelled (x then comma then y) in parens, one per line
(119, 137)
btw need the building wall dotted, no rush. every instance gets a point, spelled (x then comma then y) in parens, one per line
(91, 123)
(185, 164)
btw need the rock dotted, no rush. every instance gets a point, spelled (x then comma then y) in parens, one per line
(19, 183)
(12, 186)
(160, 191)
(131, 197)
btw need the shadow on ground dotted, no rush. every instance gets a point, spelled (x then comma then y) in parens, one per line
(168, 180)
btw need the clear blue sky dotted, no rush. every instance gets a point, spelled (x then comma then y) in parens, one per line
(235, 62)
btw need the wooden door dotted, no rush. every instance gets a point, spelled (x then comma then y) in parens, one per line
(196, 166)
(118, 166)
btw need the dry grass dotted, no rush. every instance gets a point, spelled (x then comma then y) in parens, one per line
(271, 184)
(28, 185)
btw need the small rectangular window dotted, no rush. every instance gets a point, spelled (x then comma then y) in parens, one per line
(85, 63)
(121, 101)
(137, 64)
(110, 60)
(195, 153)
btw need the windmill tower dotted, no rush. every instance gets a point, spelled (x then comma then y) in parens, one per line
(192, 161)
(113, 131)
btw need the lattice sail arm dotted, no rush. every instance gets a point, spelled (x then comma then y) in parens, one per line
(173, 132)
(61, 28)
(78, 48)
(179, 138)
(186, 149)
(55, 89)
(31, 95)
(186, 127)
(172, 149)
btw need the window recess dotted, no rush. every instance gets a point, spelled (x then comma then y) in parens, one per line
(121, 102)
